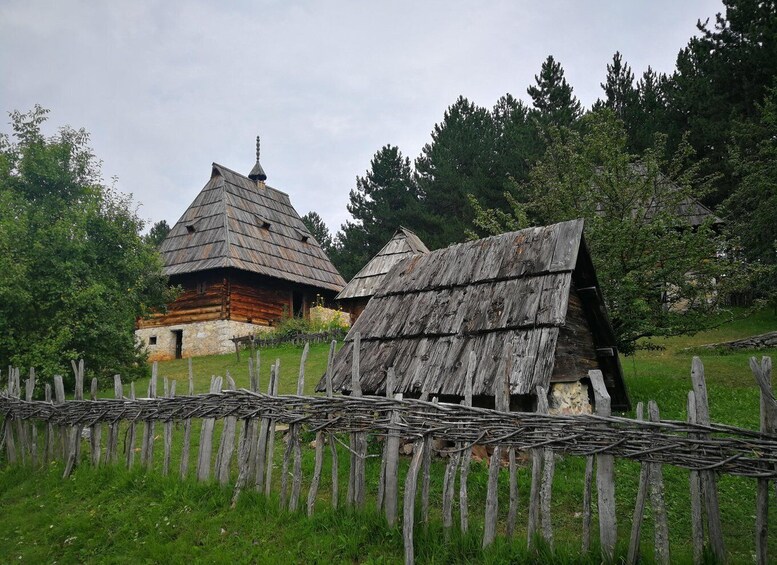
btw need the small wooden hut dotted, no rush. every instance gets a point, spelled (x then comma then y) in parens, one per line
(244, 259)
(354, 297)
(526, 303)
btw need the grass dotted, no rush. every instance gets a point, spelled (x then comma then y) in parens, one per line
(114, 515)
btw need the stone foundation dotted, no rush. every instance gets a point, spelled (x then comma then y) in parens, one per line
(198, 338)
(319, 314)
(569, 398)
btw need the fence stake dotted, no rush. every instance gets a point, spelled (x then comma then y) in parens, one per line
(10, 446)
(763, 376)
(74, 450)
(246, 451)
(187, 429)
(548, 469)
(411, 482)
(660, 526)
(33, 429)
(589, 474)
(639, 506)
(697, 524)
(169, 393)
(147, 445)
(227, 443)
(605, 478)
(131, 433)
(426, 469)
(501, 391)
(391, 457)
(112, 442)
(253, 425)
(206, 439)
(276, 376)
(708, 480)
(466, 456)
(357, 484)
(313, 492)
(48, 437)
(21, 427)
(332, 443)
(294, 441)
(261, 445)
(95, 431)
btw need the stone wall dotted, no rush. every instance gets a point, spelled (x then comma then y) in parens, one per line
(319, 314)
(569, 398)
(752, 342)
(199, 338)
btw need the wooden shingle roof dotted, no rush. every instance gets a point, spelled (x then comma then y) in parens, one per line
(503, 297)
(404, 243)
(239, 223)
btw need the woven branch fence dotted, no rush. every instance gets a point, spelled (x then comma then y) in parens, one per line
(35, 432)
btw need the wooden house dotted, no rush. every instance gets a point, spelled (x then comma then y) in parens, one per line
(527, 303)
(244, 260)
(354, 297)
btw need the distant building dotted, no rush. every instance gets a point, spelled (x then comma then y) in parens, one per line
(244, 259)
(354, 297)
(527, 303)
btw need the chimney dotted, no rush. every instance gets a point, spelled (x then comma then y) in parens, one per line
(257, 173)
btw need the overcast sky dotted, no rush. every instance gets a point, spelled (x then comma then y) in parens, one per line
(166, 88)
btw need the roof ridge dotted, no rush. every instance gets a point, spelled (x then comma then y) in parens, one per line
(219, 166)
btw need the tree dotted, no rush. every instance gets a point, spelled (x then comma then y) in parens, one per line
(385, 198)
(659, 276)
(157, 234)
(318, 230)
(459, 161)
(620, 94)
(552, 97)
(76, 272)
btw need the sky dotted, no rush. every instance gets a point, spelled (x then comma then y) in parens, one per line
(165, 88)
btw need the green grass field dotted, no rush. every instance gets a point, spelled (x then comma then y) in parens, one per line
(112, 515)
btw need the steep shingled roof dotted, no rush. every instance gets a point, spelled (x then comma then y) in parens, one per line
(504, 297)
(236, 222)
(404, 243)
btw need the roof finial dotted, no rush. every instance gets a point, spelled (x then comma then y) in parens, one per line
(257, 173)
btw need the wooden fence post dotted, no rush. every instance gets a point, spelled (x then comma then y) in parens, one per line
(74, 451)
(331, 436)
(548, 469)
(206, 438)
(168, 440)
(261, 442)
(112, 442)
(48, 438)
(294, 441)
(131, 433)
(276, 376)
(10, 445)
(639, 506)
(466, 456)
(660, 526)
(708, 480)
(391, 456)
(411, 482)
(357, 482)
(246, 452)
(95, 431)
(147, 445)
(426, 465)
(187, 428)
(227, 443)
(31, 427)
(501, 396)
(763, 376)
(697, 523)
(605, 474)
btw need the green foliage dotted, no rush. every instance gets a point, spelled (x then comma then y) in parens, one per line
(75, 272)
(552, 97)
(318, 230)
(157, 234)
(384, 199)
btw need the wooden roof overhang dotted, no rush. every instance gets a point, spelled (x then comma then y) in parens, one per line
(503, 297)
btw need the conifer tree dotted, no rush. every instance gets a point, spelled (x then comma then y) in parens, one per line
(552, 97)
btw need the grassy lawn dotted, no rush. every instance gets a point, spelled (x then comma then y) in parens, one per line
(112, 515)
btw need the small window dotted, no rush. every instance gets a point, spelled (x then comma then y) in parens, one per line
(152, 340)
(262, 223)
(305, 238)
(201, 286)
(190, 228)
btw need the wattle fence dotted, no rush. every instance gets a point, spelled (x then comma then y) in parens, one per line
(36, 432)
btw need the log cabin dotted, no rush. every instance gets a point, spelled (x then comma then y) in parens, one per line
(244, 260)
(527, 303)
(354, 297)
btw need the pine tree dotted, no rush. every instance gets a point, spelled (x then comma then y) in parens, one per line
(318, 230)
(552, 97)
(620, 94)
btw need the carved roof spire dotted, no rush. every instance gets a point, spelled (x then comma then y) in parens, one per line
(257, 173)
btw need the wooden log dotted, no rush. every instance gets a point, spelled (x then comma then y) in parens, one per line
(708, 479)
(168, 433)
(639, 506)
(271, 433)
(605, 475)
(332, 441)
(763, 376)
(357, 484)
(534, 495)
(660, 525)
(548, 468)
(10, 444)
(294, 430)
(426, 470)
(95, 432)
(246, 452)
(589, 474)
(227, 443)
(147, 443)
(74, 450)
(59, 398)
(697, 522)
(411, 482)
(48, 438)
(32, 429)
(22, 431)
(512, 511)
(501, 402)
(391, 491)
(466, 456)
(261, 445)
(130, 443)
(112, 442)
(187, 429)
(206, 439)
(253, 428)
